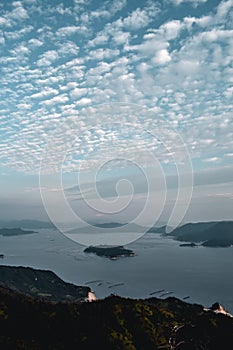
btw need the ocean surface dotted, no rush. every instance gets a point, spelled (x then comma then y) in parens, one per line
(204, 275)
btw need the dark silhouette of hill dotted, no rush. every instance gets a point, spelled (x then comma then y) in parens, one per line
(216, 233)
(109, 225)
(40, 283)
(29, 323)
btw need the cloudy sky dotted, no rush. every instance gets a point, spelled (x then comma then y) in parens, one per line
(60, 60)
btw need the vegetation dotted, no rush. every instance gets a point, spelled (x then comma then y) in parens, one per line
(14, 232)
(210, 234)
(109, 251)
(40, 283)
(39, 311)
(114, 323)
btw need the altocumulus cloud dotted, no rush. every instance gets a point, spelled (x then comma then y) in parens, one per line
(58, 60)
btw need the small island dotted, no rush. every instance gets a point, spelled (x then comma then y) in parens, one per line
(188, 245)
(112, 252)
(14, 232)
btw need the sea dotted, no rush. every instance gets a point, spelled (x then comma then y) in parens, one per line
(160, 267)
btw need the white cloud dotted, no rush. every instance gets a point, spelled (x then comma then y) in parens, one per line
(47, 58)
(193, 2)
(223, 9)
(44, 93)
(171, 29)
(161, 57)
(83, 101)
(67, 31)
(211, 160)
(5, 22)
(35, 42)
(181, 69)
(77, 92)
(103, 54)
(68, 48)
(57, 99)
(18, 13)
(140, 18)
(100, 39)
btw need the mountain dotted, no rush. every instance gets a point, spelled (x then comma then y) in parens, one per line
(30, 224)
(216, 233)
(40, 283)
(114, 323)
(161, 229)
(111, 226)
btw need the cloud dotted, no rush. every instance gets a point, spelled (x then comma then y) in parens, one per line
(47, 58)
(35, 42)
(67, 31)
(102, 54)
(56, 100)
(195, 3)
(140, 18)
(161, 57)
(59, 61)
(18, 13)
(77, 92)
(5, 22)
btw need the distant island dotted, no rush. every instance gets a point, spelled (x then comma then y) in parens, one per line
(188, 244)
(32, 319)
(207, 234)
(112, 252)
(14, 232)
(108, 225)
(28, 224)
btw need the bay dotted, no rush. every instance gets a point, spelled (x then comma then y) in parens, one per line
(202, 274)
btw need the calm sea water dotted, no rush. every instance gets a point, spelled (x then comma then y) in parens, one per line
(203, 274)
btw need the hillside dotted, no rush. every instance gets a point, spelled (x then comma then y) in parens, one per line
(113, 323)
(219, 232)
(40, 283)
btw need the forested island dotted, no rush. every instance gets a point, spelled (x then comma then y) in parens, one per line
(15, 232)
(112, 252)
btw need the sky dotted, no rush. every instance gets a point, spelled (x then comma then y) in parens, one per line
(129, 86)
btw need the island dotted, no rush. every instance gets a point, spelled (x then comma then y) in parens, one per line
(27, 224)
(206, 234)
(188, 245)
(112, 252)
(14, 232)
